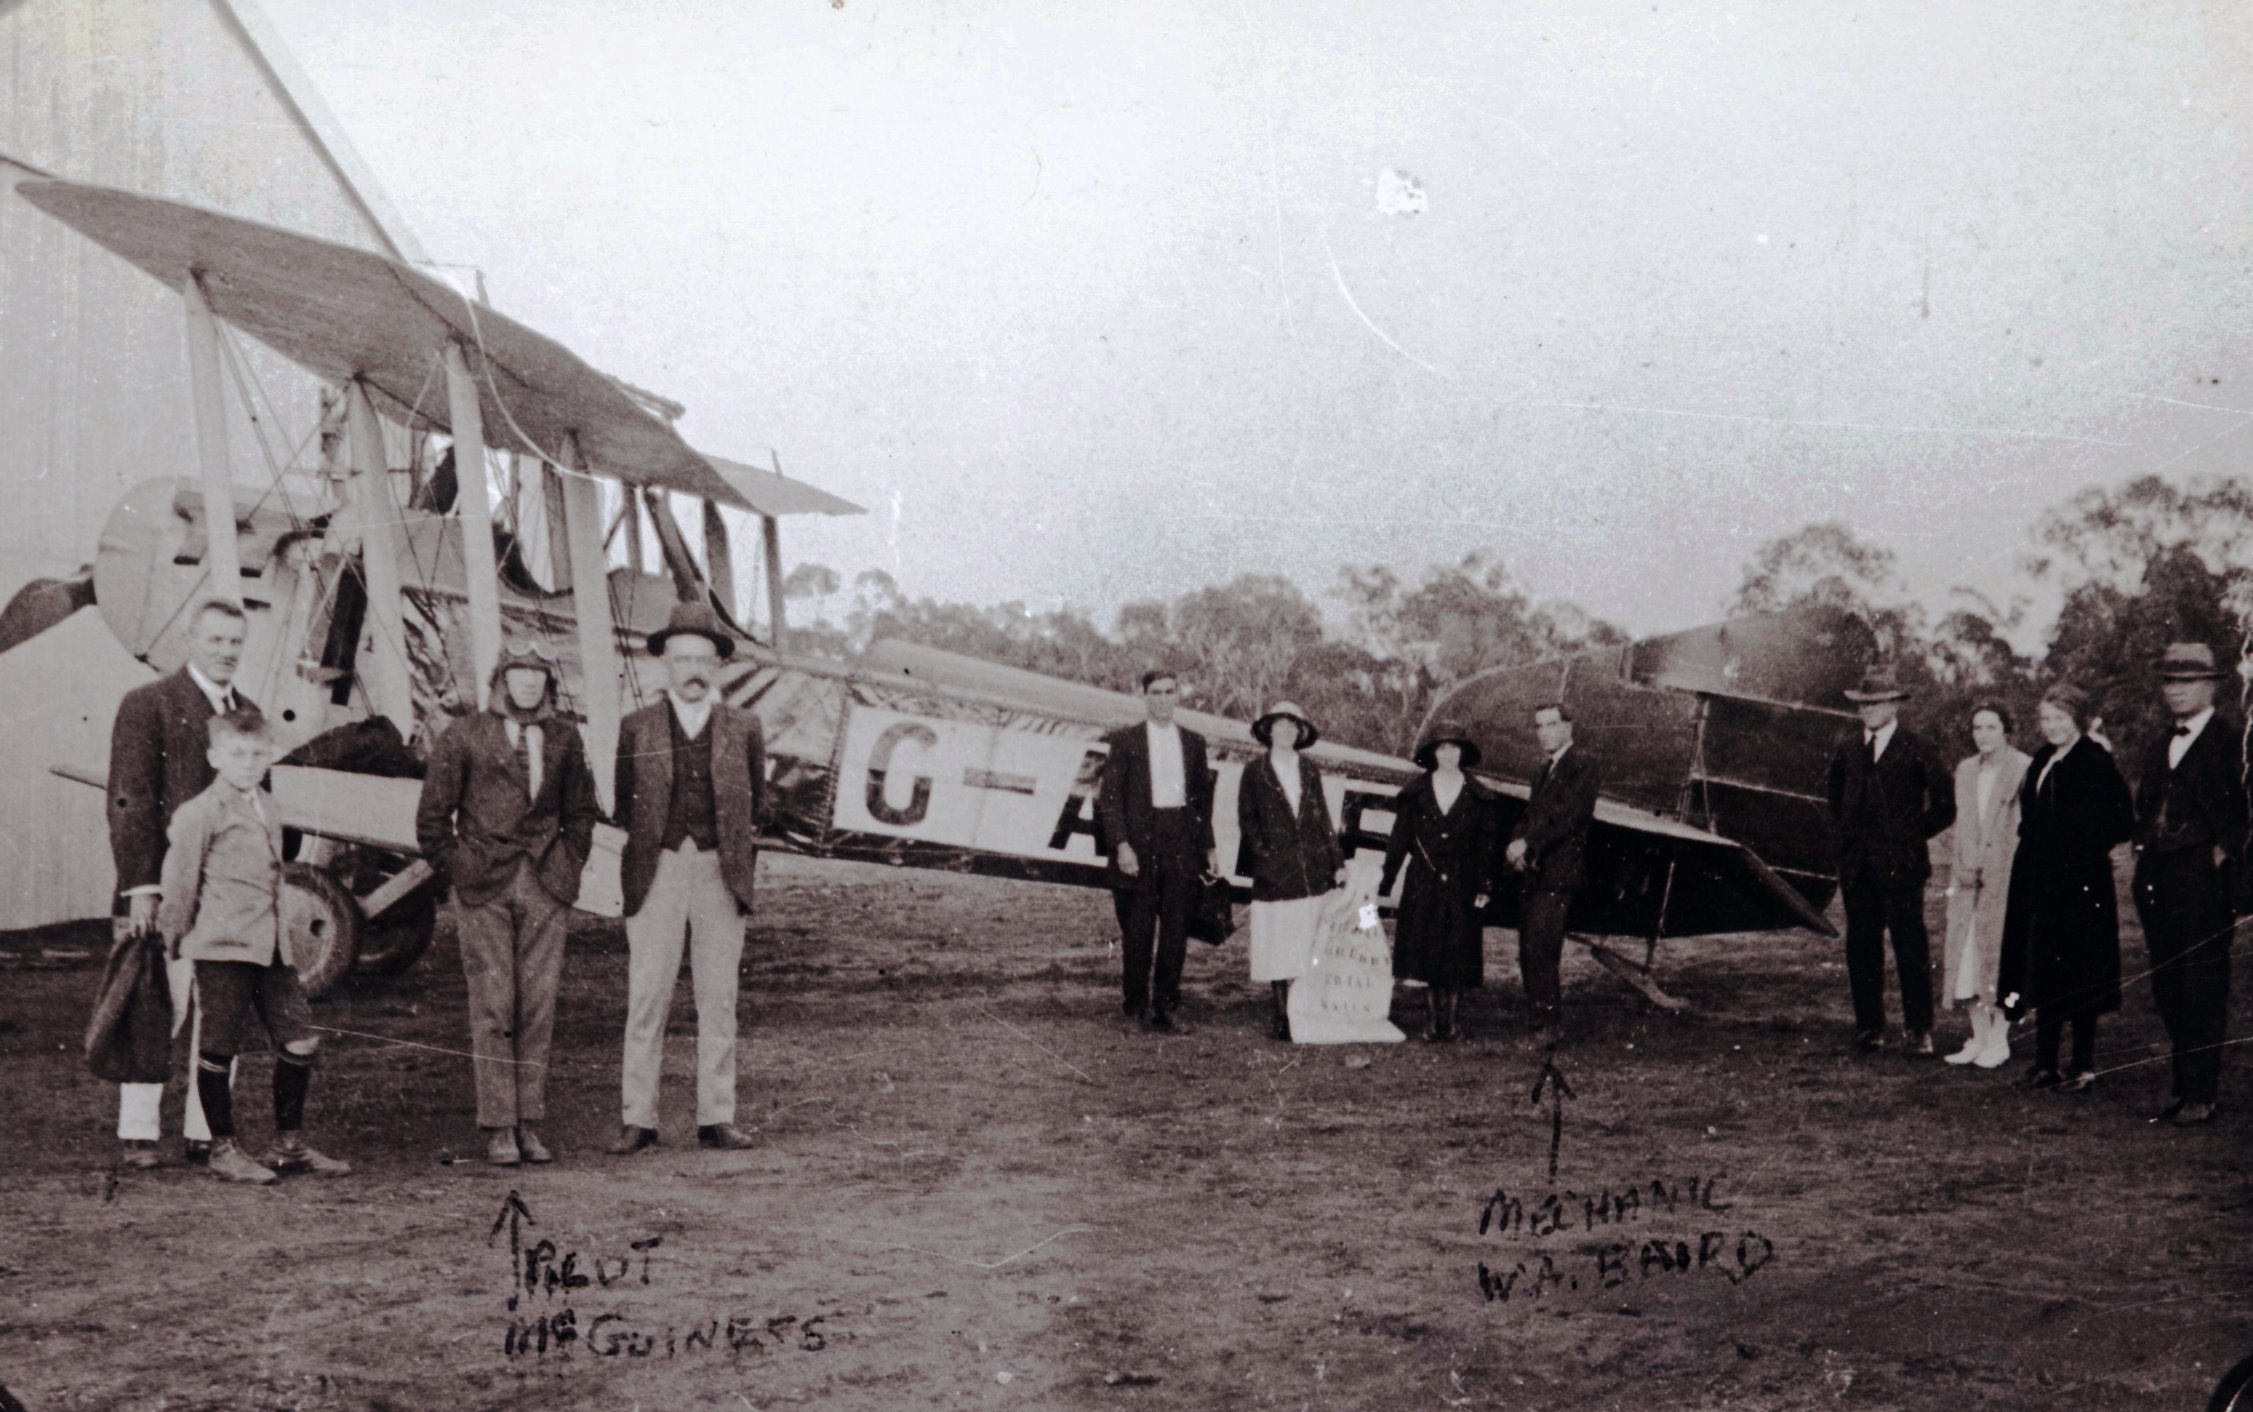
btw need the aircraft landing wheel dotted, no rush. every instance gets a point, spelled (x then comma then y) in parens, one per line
(396, 940)
(322, 923)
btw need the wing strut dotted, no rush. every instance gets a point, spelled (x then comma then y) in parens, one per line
(221, 560)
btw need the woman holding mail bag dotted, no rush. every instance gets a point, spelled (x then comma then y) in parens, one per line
(1443, 833)
(1288, 846)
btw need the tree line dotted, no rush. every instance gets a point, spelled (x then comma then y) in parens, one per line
(2136, 566)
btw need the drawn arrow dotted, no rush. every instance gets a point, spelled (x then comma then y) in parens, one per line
(515, 1215)
(1553, 1080)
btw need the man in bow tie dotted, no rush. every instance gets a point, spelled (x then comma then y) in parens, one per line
(2190, 844)
(1889, 796)
(1549, 847)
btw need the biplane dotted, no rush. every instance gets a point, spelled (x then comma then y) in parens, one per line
(378, 598)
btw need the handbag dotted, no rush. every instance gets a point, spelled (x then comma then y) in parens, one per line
(129, 1036)
(1212, 914)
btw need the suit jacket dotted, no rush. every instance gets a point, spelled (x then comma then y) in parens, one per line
(645, 795)
(1122, 802)
(1885, 815)
(1556, 819)
(475, 821)
(159, 760)
(1287, 853)
(223, 880)
(2199, 803)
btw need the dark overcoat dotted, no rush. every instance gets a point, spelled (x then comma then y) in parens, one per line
(1287, 853)
(2199, 803)
(2061, 929)
(1123, 811)
(475, 820)
(1449, 857)
(645, 795)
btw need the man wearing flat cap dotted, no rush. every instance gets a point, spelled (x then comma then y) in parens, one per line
(691, 796)
(507, 815)
(1889, 796)
(2190, 844)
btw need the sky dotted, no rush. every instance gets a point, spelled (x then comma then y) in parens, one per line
(1090, 303)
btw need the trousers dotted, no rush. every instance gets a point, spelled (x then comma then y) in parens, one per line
(688, 903)
(1875, 909)
(1541, 950)
(512, 956)
(140, 1107)
(2188, 926)
(1159, 912)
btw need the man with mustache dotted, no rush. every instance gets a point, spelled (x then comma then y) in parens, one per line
(691, 795)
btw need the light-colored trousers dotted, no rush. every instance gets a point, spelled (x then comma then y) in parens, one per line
(688, 901)
(140, 1107)
(512, 956)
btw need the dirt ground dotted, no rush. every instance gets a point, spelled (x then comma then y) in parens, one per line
(975, 1187)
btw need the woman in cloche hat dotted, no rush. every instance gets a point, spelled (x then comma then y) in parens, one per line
(1288, 847)
(1443, 832)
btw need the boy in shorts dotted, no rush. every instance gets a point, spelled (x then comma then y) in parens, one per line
(222, 883)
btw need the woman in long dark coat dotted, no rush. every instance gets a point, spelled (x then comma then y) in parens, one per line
(1443, 833)
(2061, 931)
(1288, 846)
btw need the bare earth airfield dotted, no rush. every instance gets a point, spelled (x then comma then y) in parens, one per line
(975, 1187)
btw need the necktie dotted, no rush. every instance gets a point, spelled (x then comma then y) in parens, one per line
(2182, 730)
(1869, 748)
(523, 740)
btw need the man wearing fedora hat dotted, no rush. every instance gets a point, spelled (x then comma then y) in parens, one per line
(1155, 808)
(507, 815)
(691, 795)
(1889, 796)
(2190, 844)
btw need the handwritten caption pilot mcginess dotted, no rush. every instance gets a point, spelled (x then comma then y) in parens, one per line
(1615, 1238)
(547, 1283)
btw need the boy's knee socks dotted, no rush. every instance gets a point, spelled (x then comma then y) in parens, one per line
(293, 1074)
(218, 1099)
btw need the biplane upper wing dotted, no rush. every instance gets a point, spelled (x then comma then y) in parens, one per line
(345, 312)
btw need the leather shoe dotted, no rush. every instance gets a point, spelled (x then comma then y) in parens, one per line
(2044, 1078)
(1163, 1022)
(2167, 1114)
(725, 1136)
(1869, 1041)
(2193, 1115)
(528, 1142)
(290, 1155)
(197, 1151)
(1917, 1042)
(2080, 1082)
(501, 1149)
(139, 1155)
(230, 1163)
(632, 1139)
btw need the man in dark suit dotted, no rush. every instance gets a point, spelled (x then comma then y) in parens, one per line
(1889, 796)
(159, 760)
(691, 789)
(2190, 843)
(1155, 808)
(507, 815)
(1549, 847)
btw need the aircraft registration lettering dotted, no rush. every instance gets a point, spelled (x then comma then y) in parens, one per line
(967, 783)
